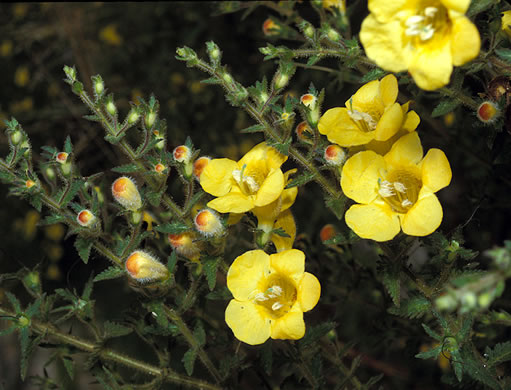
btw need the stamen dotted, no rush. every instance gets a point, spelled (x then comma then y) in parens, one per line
(400, 187)
(236, 174)
(251, 183)
(427, 32)
(414, 20)
(260, 297)
(276, 306)
(277, 290)
(386, 189)
(430, 11)
(368, 123)
(406, 203)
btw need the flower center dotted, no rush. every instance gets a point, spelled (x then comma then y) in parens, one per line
(400, 190)
(363, 120)
(429, 19)
(278, 295)
(247, 184)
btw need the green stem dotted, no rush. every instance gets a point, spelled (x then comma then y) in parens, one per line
(166, 374)
(190, 338)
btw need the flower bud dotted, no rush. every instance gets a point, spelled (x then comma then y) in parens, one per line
(301, 129)
(16, 137)
(182, 154)
(488, 112)
(143, 267)
(150, 118)
(445, 302)
(99, 85)
(333, 35)
(199, 165)
(50, 173)
(484, 300)
(70, 72)
(208, 222)
(309, 100)
(183, 243)
(327, 232)
(334, 155)
(133, 116)
(309, 31)
(61, 157)
(85, 218)
(281, 80)
(227, 78)
(270, 28)
(29, 183)
(126, 193)
(110, 107)
(159, 168)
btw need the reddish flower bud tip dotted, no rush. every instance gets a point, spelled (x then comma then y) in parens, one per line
(183, 243)
(199, 165)
(208, 222)
(182, 153)
(270, 27)
(61, 157)
(85, 218)
(334, 155)
(143, 267)
(126, 193)
(308, 100)
(327, 232)
(301, 129)
(29, 183)
(159, 168)
(488, 112)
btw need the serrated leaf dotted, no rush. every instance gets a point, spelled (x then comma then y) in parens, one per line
(68, 146)
(392, 283)
(431, 354)
(154, 198)
(51, 220)
(83, 246)
(69, 366)
(253, 129)
(313, 60)
(36, 202)
(114, 329)
(71, 192)
(445, 107)
(173, 228)
(301, 180)
(92, 118)
(189, 360)
(127, 168)
(282, 147)
(479, 6)
(24, 337)
(505, 54)
(431, 332)
(210, 269)
(314, 333)
(200, 334)
(211, 80)
(412, 308)
(501, 353)
(373, 74)
(171, 262)
(112, 272)
(336, 205)
(473, 366)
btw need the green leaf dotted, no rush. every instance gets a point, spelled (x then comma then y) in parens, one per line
(336, 205)
(431, 354)
(431, 332)
(210, 269)
(51, 220)
(83, 246)
(392, 283)
(127, 168)
(505, 54)
(253, 129)
(301, 180)
(24, 337)
(189, 360)
(114, 329)
(476, 7)
(171, 262)
(173, 228)
(200, 334)
(473, 366)
(68, 364)
(71, 192)
(68, 146)
(444, 107)
(282, 147)
(36, 202)
(154, 198)
(499, 354)
(314, 333)
(412, 308)
(373, 74)
(112, 272)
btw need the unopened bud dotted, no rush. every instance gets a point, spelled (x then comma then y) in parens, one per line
(334, 155)
(468, 301)
(300, 131)
(445, 302)
(281, 80)
(150, 118)
(126, 193)
(99, 86)
(309, 31)
(333, 35)
(50, 173)
(199, 165)
(85, 218)
(208, 222)
(133, 117)
(327, 232)
(309, 100)
(159, 168)
(227, 78)
(270, 28)
(488, 112)
(182, 154)
(16, 137)
(144, 268)
(61, 157)
(29, 183)
(110, 107)
(70, 72)
(484, 300)
(183, 243)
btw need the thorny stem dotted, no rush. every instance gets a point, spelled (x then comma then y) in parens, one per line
(51, 332)
(190, 338)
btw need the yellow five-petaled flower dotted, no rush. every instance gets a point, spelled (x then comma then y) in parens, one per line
(254, 181)
(395, 191)
(425, 37)
(270, 292)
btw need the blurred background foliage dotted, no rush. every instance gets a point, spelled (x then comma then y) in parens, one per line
(132, 46)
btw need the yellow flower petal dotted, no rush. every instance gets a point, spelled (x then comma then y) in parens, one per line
(287, 223)
(288, 198)
(234, 202)
(383, 42)
(289, 327)
(412, 120)
(388, 89)
(466, 42)
(376, 222)
(424, 217)
(309, 291)
(339, 128)
(289, 262)
(271, 188)
(405, 151)
(367, 98)
(266, 153)
(216, 179)
(460, 6)
(247, 323)
(389, 123)
(359, 179)
(431, 64)
(246, 272)
(436, 170)
(385, 10)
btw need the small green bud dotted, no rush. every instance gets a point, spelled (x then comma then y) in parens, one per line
(24, 321)
(136, 217)
(484, 300)
(99, 86)
(333, 35)
(133, 116)
(149, 119)
(25, 145)
(468, 301)
(281, 80)
(32, 280)
(16, 137)
(242, 94)
(70, 72)
(214, 52)
(66, 168)
(227, 78)
(110, 107)
(263, 97)
(77, 87)
(50, 173)
(265, 50)
(309, 31)
(186, 53)
(446, 302)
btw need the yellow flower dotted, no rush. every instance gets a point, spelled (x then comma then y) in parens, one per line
(425, 37)
(506, 23)
(395, 191)
(270, 292)
(372, 113)
(110, 35)
(277, 215)
(339, 4)
(254, 181)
